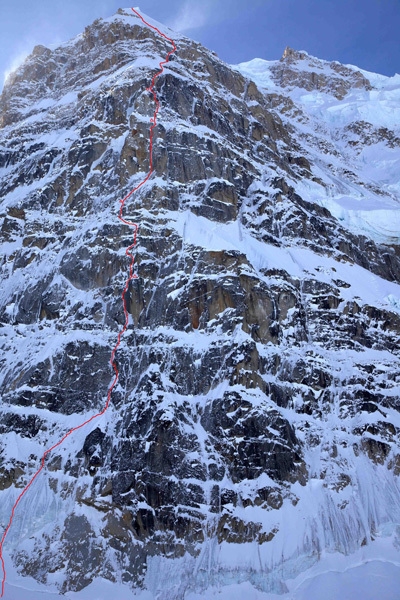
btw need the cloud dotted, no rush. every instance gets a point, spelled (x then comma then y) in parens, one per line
(16, 61)
(191, 16)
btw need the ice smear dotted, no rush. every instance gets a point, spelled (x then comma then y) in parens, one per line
(373, 572)
(367, 575)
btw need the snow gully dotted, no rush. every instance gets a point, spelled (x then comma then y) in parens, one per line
(131, 276)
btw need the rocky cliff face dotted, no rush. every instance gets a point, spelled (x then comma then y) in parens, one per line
(256, 420)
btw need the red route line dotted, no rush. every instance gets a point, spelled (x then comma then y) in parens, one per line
(131, 276)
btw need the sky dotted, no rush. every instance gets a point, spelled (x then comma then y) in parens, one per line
(365, 33)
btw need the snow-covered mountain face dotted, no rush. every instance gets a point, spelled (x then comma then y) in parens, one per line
(347, 124)
(255, 425)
